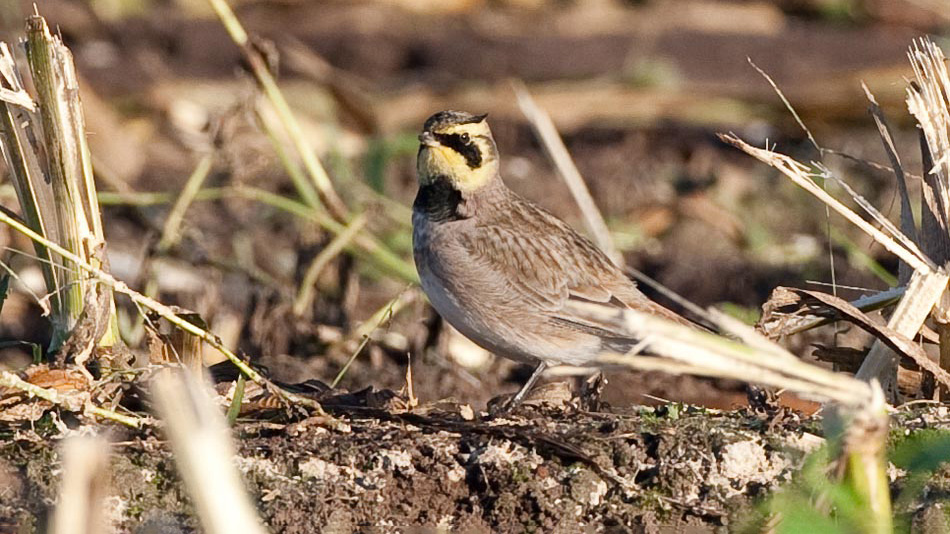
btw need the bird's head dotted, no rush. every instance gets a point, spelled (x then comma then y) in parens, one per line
(457, 147)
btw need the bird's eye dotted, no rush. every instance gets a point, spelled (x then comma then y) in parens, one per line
(465, 138)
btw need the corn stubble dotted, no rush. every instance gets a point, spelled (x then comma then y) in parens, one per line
(44, 145)
(858, 430)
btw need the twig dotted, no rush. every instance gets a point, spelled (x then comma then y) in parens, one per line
(269, 85)
(333, 249)
(907, 215)
(381, 316)
(204, 454)
(8, 379)
(896, 341)
(291, 166)
(83, 488)
(170, 231)
(15, 93)
(821, 153)
(234, 410)
(798, 324)
(689, 350)
(800, 175)
(868, 163)
(366, 245)
(686, 304)
(923, 291)
(869, 208)
(553, 145)
(363, 245)
(127, 420)
(412, 400)
(788, 105)
(162, 310)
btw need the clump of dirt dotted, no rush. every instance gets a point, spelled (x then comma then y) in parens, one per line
(543, 470)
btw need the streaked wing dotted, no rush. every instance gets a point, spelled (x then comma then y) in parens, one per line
(544, 262)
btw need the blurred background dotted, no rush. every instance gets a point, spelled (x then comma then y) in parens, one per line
(638, 89)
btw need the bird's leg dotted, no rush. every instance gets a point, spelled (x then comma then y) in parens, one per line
(516, 400)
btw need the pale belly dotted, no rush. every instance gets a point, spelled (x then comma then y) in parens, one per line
(495, 336)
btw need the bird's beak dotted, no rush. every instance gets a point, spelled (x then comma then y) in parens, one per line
(429, 140)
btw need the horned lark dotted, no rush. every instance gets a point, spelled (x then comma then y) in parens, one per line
(499, 268)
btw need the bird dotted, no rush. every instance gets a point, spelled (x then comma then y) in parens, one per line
(502, 269)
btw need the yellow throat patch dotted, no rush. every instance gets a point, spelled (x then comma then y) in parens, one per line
(464, 154)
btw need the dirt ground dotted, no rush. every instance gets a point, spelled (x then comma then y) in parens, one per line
(545, 470)
(638, 89)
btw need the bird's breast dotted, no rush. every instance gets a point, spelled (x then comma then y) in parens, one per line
(448, 277)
